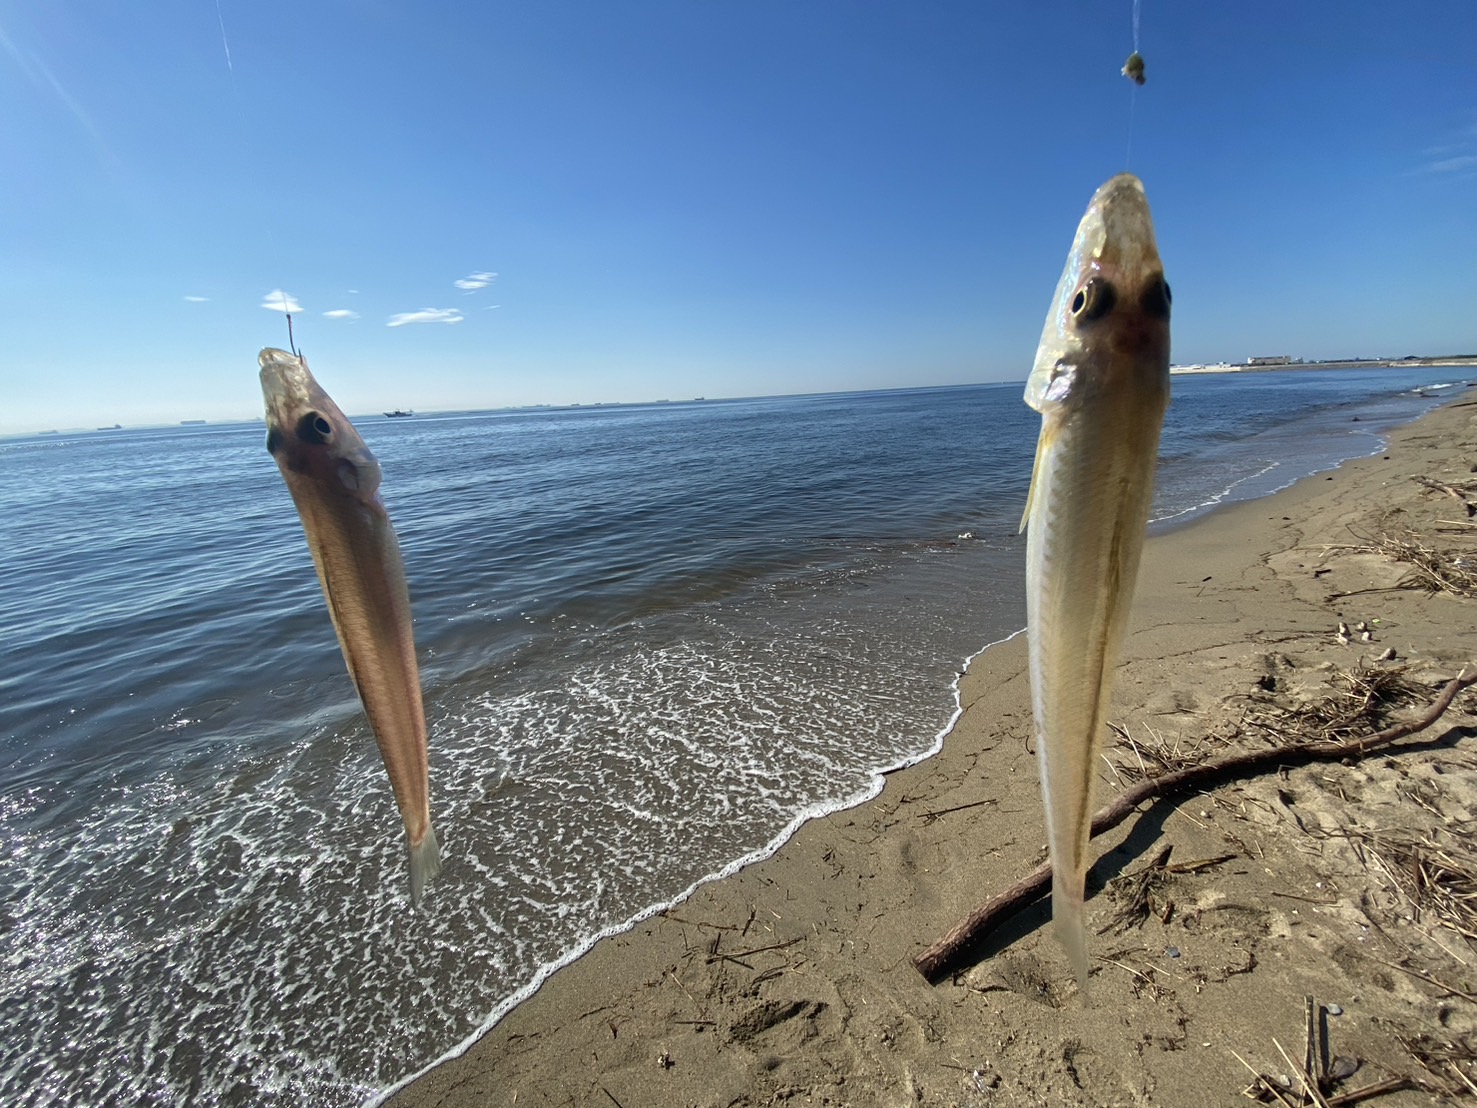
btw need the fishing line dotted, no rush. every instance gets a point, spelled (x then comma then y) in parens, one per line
(246, 143)
(1133, 98)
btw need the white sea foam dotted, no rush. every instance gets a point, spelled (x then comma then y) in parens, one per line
(873, 788)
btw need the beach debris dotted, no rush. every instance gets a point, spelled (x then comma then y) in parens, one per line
(1101, 384)
(1456, 492)
(1362, 700)
(1445, 1058)
(334, 481)
(1314, 1078)
(1133, 69)
(1136, 895)
(1434, 872)
(1433, 569)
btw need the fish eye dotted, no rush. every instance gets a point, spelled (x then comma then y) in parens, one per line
(1094, 300)
(1157, 298)
(314, 428)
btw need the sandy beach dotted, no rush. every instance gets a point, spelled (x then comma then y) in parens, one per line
(1353, 882)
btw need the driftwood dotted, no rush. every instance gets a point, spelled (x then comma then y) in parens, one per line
(941, 958)
(1455, 494)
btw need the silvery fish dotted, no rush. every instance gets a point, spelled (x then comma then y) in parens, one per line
(334, 481)
(1101, 384)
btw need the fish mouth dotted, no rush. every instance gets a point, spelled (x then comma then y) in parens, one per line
(286, 384)
(1112, 304)
(1117, 232)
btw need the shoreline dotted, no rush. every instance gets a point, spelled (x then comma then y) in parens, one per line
(835, 1010)
(1456, 361)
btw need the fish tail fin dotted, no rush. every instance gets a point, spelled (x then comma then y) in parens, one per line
(1067, 916)
(425, 863)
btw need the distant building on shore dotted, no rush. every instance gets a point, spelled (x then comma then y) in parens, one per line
(1273, 359)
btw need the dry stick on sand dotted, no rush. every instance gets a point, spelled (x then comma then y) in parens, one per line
(940, 958)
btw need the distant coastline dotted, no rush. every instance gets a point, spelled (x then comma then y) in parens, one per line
(1250, 365)
(1263, 365)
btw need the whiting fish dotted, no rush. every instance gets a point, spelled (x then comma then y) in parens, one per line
(334, 481)
(1101, 384)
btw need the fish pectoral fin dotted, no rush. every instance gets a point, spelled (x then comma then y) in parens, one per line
(1044, 444)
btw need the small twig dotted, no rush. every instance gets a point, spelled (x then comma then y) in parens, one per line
(931, 816)
(1304, 899)
(1262, 1081)
(755, 950)
(1310, 1033)
(1310, 1087)
(1439, 486)
(1456, 1069)
(683, 987)
(936, 961)
(1197, 866)
(1451, 990)
(1369, 1092)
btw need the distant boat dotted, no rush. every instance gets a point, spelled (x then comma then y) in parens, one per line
(399, 414)
(192, 423)
(115, 427)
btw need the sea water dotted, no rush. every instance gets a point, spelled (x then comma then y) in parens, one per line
(653, 639)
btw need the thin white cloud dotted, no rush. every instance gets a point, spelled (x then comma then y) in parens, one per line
(426, 315)
(491, 306)
(1451, 165)
(353, 292)
(197, 299)
(474, 281)
(279, 301)
(1457, 156)
(341, 313)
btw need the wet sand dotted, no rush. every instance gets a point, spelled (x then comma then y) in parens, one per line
(792, 982)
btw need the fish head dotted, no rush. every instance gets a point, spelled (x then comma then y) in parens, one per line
(308, 433)
(1108, 327)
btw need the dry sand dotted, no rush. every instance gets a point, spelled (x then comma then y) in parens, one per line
(792, 982)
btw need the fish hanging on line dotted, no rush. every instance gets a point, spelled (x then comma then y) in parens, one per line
(1101, 384)
(334, 481)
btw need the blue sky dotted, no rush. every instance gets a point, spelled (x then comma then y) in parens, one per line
(700, 198)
